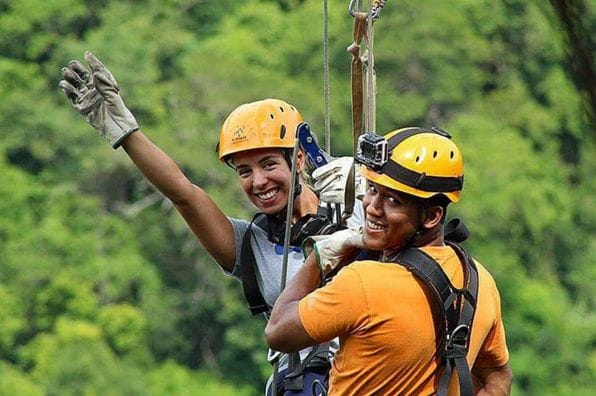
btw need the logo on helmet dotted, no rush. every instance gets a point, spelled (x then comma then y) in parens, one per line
(239, 135)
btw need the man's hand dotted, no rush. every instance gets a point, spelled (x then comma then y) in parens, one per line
(330, 250)
(331, 181)
(95, 95)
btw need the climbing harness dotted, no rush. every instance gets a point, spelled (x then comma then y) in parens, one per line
(321, 223)
(457, 307)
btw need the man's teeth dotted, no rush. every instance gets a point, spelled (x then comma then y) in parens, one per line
(374, 226)
(267, 195)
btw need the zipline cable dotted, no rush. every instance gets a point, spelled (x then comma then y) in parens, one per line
(326, 84)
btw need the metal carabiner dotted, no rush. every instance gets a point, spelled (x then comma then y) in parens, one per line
(353, 8)
(374, 13)
(375, 10)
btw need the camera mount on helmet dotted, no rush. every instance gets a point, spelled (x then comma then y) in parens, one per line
(372, 151)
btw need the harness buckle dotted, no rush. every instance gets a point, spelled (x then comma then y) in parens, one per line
(272, 355)
(456, 345)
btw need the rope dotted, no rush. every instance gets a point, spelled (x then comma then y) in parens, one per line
(288, 227)
(290, 210)
(326, 85)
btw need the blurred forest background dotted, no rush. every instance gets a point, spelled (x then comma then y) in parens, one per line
(103, 291)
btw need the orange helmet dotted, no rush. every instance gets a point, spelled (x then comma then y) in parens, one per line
(417, 161)
(265, 123)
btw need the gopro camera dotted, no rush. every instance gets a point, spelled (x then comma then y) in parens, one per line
(372, 150)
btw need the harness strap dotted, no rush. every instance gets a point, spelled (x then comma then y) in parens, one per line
(457, 308)
(250, 286)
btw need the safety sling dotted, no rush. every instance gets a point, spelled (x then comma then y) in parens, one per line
(457, 307)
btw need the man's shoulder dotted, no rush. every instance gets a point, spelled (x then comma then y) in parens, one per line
(486, 279)
(372, 268)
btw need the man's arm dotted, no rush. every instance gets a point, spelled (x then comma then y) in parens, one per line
(284, 331)
(495, 381)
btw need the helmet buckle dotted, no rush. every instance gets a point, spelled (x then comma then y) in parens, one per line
(421, 179)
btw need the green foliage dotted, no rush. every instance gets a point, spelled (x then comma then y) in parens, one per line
(104, 290)
(15, 382)
(175, 380)
(124, 327)
(74, 360)
(12, 320)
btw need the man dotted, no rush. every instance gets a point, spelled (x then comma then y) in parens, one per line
(388, 324)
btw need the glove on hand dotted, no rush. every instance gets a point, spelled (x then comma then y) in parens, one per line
(331, 249)
(94, 94)
(331, 181)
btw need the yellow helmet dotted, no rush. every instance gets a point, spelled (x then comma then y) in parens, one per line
(417, 161)
(265, 123)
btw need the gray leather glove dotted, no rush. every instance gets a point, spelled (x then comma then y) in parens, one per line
(331, 181)
(95, 94)
(331, 249)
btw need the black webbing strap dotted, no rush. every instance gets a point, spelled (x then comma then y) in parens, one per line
(457, 308)
(422, 181)
(456, 231)
(250, 286)
(294, 380)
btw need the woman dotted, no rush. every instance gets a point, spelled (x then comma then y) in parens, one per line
(256, 140)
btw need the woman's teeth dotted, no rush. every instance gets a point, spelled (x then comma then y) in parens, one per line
(267, 195)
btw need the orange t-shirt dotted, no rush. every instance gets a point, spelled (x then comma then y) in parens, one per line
(383, 316)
